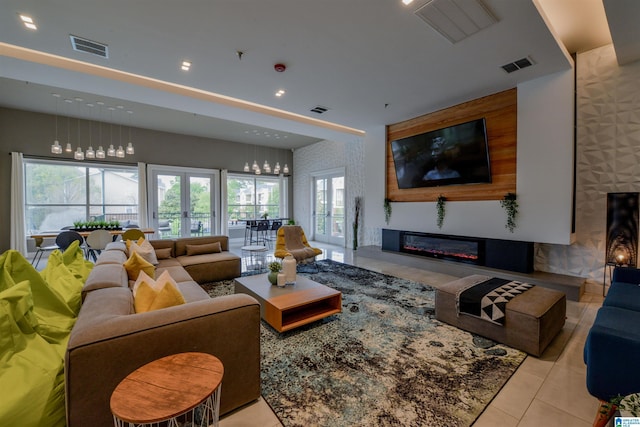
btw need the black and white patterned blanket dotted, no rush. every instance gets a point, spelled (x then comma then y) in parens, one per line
(488, 300)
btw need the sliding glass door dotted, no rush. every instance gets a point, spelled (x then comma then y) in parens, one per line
(328, 209)
(184, 201)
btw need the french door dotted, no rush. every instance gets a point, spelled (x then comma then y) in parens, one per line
(329, 207)
(184, 201)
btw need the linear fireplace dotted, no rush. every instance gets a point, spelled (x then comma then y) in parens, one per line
(500, 254)
(462, 249)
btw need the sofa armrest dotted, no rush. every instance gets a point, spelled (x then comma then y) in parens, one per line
(626, 275)
(105, 347)
(611, 353)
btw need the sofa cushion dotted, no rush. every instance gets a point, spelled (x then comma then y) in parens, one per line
(106, 276)
(116, 246)
(135, 264)
(623, 295)
(128, 243)
(164, 244)
(154, 295)
(207, 248)
(178, 273)
(111, 257)
(191, 291)
(163, 253)
(145, 250)
(181, 244)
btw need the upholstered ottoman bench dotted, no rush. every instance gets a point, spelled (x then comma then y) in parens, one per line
(532, 318)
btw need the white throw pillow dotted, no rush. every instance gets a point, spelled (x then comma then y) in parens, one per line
(145, 250)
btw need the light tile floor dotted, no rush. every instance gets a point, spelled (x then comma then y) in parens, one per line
(547, 391)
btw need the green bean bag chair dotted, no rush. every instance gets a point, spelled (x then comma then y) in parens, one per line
(37, 312)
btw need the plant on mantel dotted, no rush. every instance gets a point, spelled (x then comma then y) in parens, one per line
(510, 204)
(440, 201)
(387, 210)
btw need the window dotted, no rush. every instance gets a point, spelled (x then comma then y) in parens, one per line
(242, 190)
(59, 193)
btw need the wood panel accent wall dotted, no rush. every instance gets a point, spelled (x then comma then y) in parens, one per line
(500, 113)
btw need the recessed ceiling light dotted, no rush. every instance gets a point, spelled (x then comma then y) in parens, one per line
(28, 22)
(186, 65)
(280, 92)
(407, 2)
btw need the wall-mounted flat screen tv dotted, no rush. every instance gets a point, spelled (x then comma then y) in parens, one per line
(450, 156)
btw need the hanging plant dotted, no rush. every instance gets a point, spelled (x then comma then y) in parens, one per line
(356, 221)
(510, 205)
(440, 201)
(387, 210)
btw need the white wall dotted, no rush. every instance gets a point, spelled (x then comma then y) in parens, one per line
(544, 180)
(608, 158)
(544, 177)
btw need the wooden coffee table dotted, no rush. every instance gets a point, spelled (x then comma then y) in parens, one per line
(292, 306)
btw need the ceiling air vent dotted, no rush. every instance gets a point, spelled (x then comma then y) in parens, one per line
(319, 109)
(88, 46)
(456, 20)
(517, 65)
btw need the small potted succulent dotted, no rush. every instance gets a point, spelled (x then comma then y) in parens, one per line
(274, 268)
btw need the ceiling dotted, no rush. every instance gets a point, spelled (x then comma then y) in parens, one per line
(369, 62)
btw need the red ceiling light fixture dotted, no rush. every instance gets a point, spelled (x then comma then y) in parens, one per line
(280, 67)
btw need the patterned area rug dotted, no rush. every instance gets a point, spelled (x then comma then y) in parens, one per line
(383, 361)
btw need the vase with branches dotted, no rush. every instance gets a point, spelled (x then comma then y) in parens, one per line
(440, 202)
(510, 204)
(356, 221)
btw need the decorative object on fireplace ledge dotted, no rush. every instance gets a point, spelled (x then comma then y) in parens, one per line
(440, 201)
(510, 204)
(387, 210)
(356, 220)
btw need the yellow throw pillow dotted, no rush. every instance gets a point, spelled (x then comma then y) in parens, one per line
(207, 248)
(145, 249)
(137, 263)
(162, 293)
(129, 242)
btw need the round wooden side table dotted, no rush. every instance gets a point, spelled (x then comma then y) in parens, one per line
(184, 384)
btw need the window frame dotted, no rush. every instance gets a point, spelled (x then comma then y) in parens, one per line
(88, 204)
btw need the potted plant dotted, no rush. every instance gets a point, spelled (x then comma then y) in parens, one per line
(440, 201)
(274, 268)
(510, 204)
(265, 215)
(387, 210)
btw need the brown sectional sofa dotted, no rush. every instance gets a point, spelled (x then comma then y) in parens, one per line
(109, 340)
(225, 264)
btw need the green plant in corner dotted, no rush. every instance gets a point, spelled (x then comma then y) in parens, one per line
(510, 204)
(387, 210)
(440, 201)
(356, 221)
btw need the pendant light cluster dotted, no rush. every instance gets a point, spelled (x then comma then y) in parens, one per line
(266, 167)
(90, 153)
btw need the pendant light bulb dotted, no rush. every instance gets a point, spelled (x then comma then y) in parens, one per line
(90, 153)
(100, 153)
(130, 149)
(56, 148)
(246, 167)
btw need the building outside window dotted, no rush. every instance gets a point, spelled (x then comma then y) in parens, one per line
(242, 190)
(59, 193)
